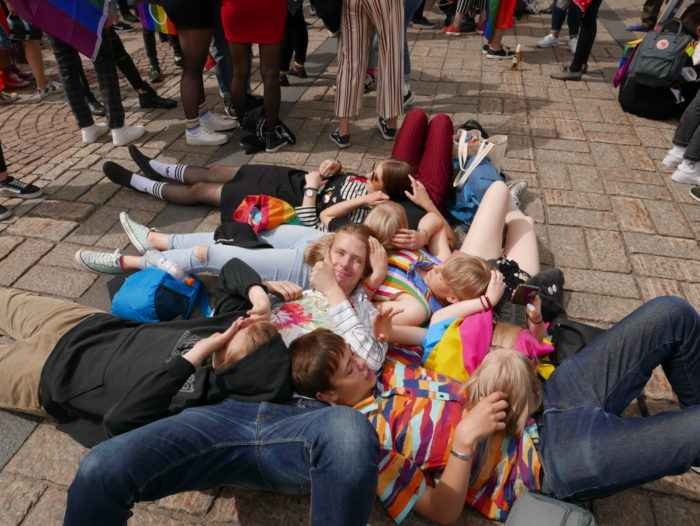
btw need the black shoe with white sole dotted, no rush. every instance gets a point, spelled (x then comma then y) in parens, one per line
(4, 212)
(503, 53)
(275, 140)
(341, 141)
(389, 134)
(12, 187)
(695, 193)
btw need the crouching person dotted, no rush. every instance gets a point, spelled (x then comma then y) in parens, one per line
(483, 442)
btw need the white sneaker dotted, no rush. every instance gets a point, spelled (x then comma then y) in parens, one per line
(204, 137)
(672, 159)
(516, 188)
(687, 172)
(548, 41)
(126, 134)
(573, 42)
(216, 124)
(93, 132)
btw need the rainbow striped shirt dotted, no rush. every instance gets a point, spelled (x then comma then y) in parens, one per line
(415, 412)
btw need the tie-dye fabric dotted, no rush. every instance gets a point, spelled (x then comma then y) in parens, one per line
(415, 412)
(402, 276)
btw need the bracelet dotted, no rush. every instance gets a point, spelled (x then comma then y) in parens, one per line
(370, 289)
(483, 305)
(533, 321)
(424, 233)
(488, 301)
(462, 456)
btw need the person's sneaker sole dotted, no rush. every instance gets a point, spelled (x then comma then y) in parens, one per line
(695, 194)
(194, 141)
(126, 221)
(681, 177)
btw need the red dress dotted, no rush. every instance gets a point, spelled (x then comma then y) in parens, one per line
(254, 21)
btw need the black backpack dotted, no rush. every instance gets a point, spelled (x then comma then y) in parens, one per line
(660, 57)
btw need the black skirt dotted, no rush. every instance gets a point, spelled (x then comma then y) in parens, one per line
(188, 14)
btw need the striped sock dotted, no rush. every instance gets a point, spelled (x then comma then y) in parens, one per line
(204, 113)
(176, 172)
(283, 74)
(149, 186)
(298, 65)
(192, 126)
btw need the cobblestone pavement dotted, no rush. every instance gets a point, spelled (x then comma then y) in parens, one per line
(607, 213)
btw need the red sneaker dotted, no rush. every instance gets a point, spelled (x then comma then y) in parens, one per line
(11, 80)
(480, 28)
(451, 30)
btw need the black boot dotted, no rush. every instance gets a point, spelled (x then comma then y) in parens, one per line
(96, 107)
(151, 99)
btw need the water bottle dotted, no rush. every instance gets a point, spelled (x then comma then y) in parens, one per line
(155, 258)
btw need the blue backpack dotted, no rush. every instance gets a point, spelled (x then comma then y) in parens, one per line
(154, 295)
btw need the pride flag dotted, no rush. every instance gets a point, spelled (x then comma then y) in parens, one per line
(263, 212)
(78, 23)
(153, 17)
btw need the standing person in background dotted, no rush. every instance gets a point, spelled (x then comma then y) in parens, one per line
(296, 41)
(194, 22)
(572, 15)
(357, 19)
(650, 15)
(418, 19)
(11, 187)
(246, 24)
(586, 38)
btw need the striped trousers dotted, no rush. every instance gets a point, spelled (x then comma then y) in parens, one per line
(358, 18)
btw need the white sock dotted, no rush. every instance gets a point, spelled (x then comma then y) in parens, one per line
(678, 151)
(144, 184)
(171, 171)
(406, 89)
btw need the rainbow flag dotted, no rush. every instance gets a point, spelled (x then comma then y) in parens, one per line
(153, 17)
(263, 212)
(78, 23)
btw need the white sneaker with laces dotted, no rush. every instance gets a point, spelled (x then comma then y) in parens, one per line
(216, 124)
(687, 172)
(204, 137)
(126, 134)
(516, 188)
(548, 41)
(93, 132)
(573, 42)
(674, 157)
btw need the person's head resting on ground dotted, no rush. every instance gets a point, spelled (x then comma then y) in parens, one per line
(691, 19)
(324, 367)
(254, 365)
(347, 251)
(391, 177)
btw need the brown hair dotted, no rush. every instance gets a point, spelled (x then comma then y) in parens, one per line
(361, 232)
(395, 179)
(315, 358)
(317, 250)
(467, 275)
(385, 220)
(258, 332)
(505, 335)
(510, 372)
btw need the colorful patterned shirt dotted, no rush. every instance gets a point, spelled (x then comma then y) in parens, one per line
(402, 276)
(415, 412)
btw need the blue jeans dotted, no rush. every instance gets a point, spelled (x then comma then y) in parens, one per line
(587, 449)
(283, 448)
(221, 54)
(409, 8)
(572, 16)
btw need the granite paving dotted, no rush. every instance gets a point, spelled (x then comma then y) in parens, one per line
(606, 212)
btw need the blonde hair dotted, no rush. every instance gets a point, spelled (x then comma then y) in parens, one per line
(258, 332)
(317, 250)
(505, 335)
(386, 219)
(512, 373)
(467, 275)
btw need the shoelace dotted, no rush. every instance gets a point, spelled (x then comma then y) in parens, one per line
(14, 183)
(105, 259)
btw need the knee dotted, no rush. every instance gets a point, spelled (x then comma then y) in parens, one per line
(353, 442)
(202, 252)
(672, 306)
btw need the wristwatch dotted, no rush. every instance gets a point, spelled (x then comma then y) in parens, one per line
(310, 192)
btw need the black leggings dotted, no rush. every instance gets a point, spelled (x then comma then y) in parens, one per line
(586, 35)
(296, 40)
(149, 44)
(3, 166)
(123, 61)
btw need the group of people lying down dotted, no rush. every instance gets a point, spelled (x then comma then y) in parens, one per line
(310, 375)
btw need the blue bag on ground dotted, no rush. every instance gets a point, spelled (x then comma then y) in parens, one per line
(154, 295)
(466, 200)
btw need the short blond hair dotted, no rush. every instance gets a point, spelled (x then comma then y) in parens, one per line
(258, 332)
(317, 250)
(512, 373)
(386, 219)
(467, 275)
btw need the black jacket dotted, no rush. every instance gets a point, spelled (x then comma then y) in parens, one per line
(108, 375)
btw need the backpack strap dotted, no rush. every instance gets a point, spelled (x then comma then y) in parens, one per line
(203, 301)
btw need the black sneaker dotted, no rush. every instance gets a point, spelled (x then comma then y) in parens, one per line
(389, 134)
(229, 109)
(4, 212)
(695, 193)
(503, 53)
(143, 163)
(122, 27)
(179, 62)
(117, 173)
(407, 99)
(151, 99)
(156, 75)
(421, 22)
(284, 81)
(96, 107)
(369, 82)
(15, 188)
(341, 141)
(485, 49)
(275, 140)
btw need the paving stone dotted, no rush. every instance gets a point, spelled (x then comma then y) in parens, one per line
(654, 287)
(580, 217)
(691, 291)
(18, 495)
(661, 246)
(632, 215)
(668, 218)
(667, 508)
(149, 518)
(569, 129)
(643, 191)
(50, 509)
(8, 244)
(56, 281)
(627, 508)
(599, 308)
(585, 179)
(607, 283)
(21, 259)
(568, 247)
(663, 267)
(44, 228)
(106, 218)
(63, 210)
(608, 155)
(192, 502)
(576, 199)
(56, 463)
(606, 250)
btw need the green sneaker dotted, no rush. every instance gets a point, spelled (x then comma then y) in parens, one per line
(100, 262)
(137, 234)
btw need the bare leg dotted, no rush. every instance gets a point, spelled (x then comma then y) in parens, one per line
(521, 240)
(344, 125)
(485, 234)
(158, 240)
(495, 42)
(33, 53)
